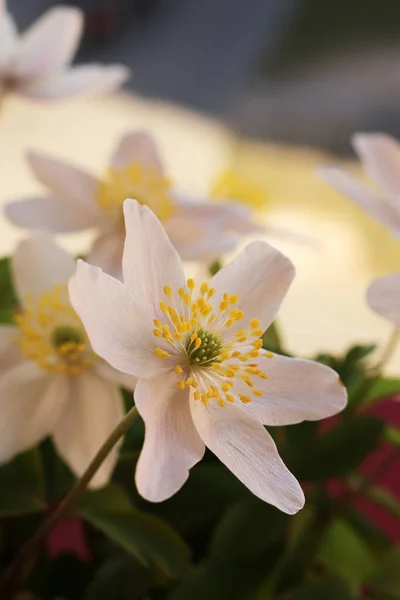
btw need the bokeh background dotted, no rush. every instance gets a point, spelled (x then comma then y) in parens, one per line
(270, 88)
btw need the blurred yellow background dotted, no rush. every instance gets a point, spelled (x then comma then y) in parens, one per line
(325, 309)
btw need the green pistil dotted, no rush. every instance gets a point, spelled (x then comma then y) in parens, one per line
(65, 334)
(209, 350)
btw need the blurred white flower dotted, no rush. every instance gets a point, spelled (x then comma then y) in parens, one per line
(204, 378)
(380, 156)
(383, 297)
(199, 230)
(51, 381)
(36, 63)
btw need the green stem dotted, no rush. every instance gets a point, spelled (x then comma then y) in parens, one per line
(20, 568)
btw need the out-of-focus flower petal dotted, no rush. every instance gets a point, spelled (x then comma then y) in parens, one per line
(383, 297)
(93, 410)
(49, 44)
(38, 264)
(137, 146)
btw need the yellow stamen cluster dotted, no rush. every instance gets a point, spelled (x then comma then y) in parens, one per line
(230, 185)
(192, 335)
(51, 333)
(135, 181)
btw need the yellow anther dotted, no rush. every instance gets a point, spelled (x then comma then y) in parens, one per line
(191, 284)
(230, 372)
(268, 355)
(243, 338)
(257, 344)
(211, 319)
(216, 367)
(167, 291)
(189, 381)
(157, 323)
(239, 315)
(201, 303)
(187, 299)
(223, 305)
(230, 398)
(257, 392)
(157, 333)
(233, 299)
(161, 353)
(193, 336)
(230, 322)
(236, 354)
(204, 398)
(178, 369)
(226, 386)
(263, 375)
(164, 307)
(240, 332)
(224, 356)
(206, 311)
(221, 403)
(254, 353)
(181, 293)
(257, 332)
(196, 395)
(254, 323)
(245, 399)
(225, 296)
(197, 343)
(178, 336)
(181, 384)
(204, 288)
(211, 292)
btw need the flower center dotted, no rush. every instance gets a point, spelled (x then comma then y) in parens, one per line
(194, 335)
(135, 181)
(51, 333)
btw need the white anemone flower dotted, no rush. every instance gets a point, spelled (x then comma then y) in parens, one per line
(51, 381)
(198, 229)
(204, 379)
(36, 63)
(380, 156)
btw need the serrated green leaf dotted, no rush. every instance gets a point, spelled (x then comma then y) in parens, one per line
(346, 554)
(22, 485)
(149, 539)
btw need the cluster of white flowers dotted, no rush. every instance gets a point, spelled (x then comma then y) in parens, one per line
(129, 317)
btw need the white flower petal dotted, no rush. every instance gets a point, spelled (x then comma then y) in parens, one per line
(260, 276)
(8, 38)
(248, 450)
(296, 390)
(106, 371)
(378, 207)
(207, 249)
(138, 146)
(107, 251)
(172, 445)
(49, 44)
(38, 264)
(10, 354)
(149, 261)
(77, 188)
(93, 410)
(118, 329)
(383, 297)
(31, 400)
(49, 214)
(84, 79)
(380, 155)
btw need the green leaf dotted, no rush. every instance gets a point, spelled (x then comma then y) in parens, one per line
(371, 535)
(386, 579)
(341, 449)
(271, 338)
(119, 578)
(247, 529)
(22, 485)
(392, 436)
(8, 297)
(149, 539)
(215, 267)
(383, 387)
(346, 554)
(327, 588)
